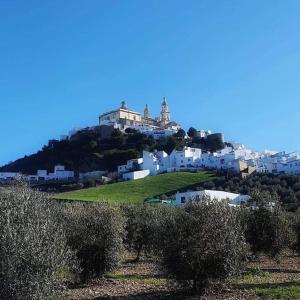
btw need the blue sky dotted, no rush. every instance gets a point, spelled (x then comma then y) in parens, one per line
(225, 65)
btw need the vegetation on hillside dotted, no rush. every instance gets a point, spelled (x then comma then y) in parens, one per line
(287, 187)
(284, 187)
(45, 245)
(90, 150)
(137, 191)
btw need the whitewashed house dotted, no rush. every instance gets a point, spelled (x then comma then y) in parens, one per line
(188, 158)
(237, 159)
(60, 173)
(8, 176)
(155, 131)
(136, 175)
(204, 195)
(156, 162)
(288, 167)
(131, 165)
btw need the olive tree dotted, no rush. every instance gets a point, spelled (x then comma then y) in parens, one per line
(33, 251)
(95, 233)
(203, 242)
(143, 224)
(267, 227)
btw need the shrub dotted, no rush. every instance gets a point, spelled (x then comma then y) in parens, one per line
(95, 232)
(33, 251)
(267, 228)
(70, 187)
(202, 243)
(143, 223)
(295, 224)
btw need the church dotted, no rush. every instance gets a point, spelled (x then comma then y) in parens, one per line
(124, 117)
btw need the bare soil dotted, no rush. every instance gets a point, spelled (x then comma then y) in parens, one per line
(143, 280)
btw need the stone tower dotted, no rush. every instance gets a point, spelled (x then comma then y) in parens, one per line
(165, 113)
(147, 114)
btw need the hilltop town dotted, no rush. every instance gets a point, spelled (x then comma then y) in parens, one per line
(173, 150)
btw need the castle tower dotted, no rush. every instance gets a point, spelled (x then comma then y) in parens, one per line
(165, 113)
(147, 114)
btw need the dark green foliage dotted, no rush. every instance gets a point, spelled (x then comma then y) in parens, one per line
(95, 233)
(285, 186)
(91, 149)
(70, 187)
(295, 225)
(192, 132)
(143, 226)
(180, 134)
(202, 243)
(116, 133)
(33, 250)
(297, 231)
(267, 227)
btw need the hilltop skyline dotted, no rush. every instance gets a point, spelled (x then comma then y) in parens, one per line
(231, 67)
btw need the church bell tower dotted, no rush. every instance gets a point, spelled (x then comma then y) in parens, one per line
(147, 114)
(165, 112)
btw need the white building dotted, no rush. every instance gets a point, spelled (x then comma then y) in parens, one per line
(131, 165)
(8, 176)
(59, 174)
(238, 159)
(136, 175)
(123, 118)
(188, 158)
(203, 133)
(232, 198)
(156, 162)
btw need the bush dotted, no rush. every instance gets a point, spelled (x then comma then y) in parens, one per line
(295, 224)
(95, 232)
(70, 187)
(33, 251)
(143, 223)
(267, 228)
(202, 243)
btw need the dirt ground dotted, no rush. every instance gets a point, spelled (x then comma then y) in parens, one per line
(143, 280)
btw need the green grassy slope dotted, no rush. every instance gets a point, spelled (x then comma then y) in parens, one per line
(138, 190)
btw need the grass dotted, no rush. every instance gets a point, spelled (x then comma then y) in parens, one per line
(284, 293)
(138, 279)
(269, 286)
(138, 190)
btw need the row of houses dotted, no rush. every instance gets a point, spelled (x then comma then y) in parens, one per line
(59, 173)
(236, 158)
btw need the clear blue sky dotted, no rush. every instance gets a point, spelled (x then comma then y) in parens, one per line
(225, 65)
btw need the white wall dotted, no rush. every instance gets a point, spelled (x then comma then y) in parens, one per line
(182, 198)
(9, 175)
(136, 175)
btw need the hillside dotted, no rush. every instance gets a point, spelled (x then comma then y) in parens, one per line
(138, 190)
(100, 148)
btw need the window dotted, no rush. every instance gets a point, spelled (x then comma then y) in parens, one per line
(182, 199)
